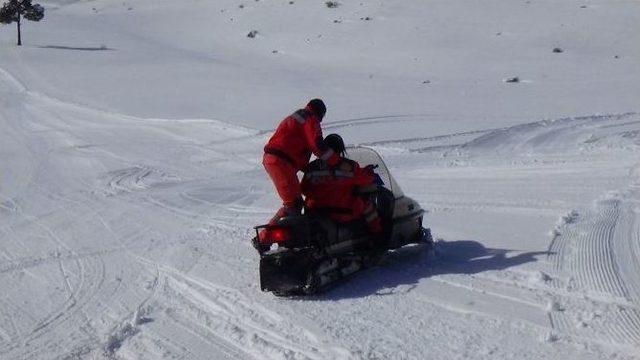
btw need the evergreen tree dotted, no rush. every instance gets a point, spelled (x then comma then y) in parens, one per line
(15, 10)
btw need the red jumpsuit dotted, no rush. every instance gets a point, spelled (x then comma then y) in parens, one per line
(331, 189)
(289, 150)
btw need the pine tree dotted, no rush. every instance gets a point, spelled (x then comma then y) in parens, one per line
(15, 10)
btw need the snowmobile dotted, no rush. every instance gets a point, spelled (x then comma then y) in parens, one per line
(308, 253)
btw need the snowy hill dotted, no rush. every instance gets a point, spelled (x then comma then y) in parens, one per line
(131, 135)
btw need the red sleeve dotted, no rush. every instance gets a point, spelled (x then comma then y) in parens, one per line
(315, 141)
(362, 177)
(313, 136)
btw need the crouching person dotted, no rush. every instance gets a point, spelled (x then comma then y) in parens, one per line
(333, 189)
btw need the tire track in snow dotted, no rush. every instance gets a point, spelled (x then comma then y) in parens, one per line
(594, 264)
(4, 335)
(66, 325)
(130, 326)
(135, 178)
(187, 214)
(77, 296)
(431, 138)
(627, 236)
(336, 124)
(224, 316)
(90, 274)
(195, 333)
(598, 253)
(31, 262)
(379, 119)
(90, 280)
(92, 341)
(542, 133)
(15, 83)
(232, 318)
(69, 319)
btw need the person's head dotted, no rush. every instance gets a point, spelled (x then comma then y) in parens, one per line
(318, 108)
(335, 143)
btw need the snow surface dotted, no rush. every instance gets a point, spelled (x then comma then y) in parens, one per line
(131, 135)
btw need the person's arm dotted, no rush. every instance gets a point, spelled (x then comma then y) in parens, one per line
(362, 177)
(315, 141)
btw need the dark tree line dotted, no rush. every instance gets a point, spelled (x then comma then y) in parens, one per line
(16, 10)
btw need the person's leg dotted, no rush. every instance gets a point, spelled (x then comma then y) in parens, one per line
(373, 220)
(364, 209)
(284, 178)
(376, 247)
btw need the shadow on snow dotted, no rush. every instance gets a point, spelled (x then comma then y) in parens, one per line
(408, 265)
(60, 47)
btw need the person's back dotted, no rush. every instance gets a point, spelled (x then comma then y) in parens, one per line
(294, 138)
(331, 190)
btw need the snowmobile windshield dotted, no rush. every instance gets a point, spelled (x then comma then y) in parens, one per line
(367, 156)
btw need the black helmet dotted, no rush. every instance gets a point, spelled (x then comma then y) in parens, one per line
(335, 143)
(318, 107)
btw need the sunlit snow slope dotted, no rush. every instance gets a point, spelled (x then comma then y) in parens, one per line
(131, 136)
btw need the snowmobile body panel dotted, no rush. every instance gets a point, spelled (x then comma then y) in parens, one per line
(407, 223)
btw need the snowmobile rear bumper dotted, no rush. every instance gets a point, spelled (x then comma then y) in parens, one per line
(284, 272)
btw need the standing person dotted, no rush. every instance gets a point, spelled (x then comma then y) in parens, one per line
(289, 150)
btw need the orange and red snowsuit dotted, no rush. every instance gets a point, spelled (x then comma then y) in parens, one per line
(289, 150)
(332, 190)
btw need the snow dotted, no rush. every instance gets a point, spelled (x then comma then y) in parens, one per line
(130, 177)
